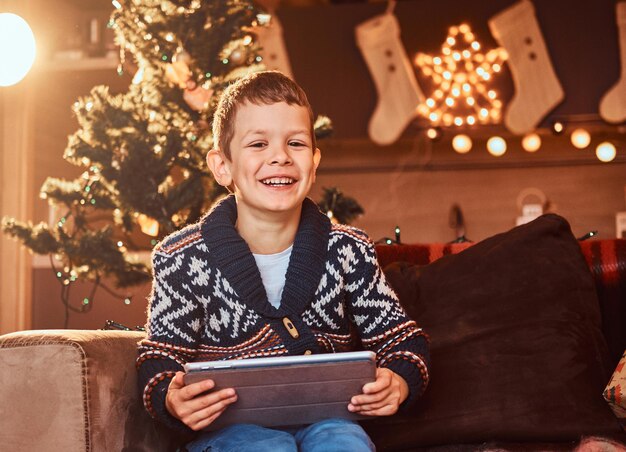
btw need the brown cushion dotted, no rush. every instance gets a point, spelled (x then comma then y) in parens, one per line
(517, 351)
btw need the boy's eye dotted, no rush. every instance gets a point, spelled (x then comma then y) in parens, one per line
(257, 144)
(296, 143)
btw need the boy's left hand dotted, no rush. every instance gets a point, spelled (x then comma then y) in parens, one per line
(381, 397)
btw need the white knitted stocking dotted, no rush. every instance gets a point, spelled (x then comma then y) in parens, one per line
(396, 86)
(613, 103)
(273, 49)
(537, 88)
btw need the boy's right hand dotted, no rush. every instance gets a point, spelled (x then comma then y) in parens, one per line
(194, 408)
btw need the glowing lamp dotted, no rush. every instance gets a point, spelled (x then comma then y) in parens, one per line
(496, 146)
(17, 49)
(606, 151)
(462, 143)
(531, 142)
(580, 138)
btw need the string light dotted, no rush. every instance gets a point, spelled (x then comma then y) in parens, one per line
(462, 144)
(558, 127)
(606, 151)
(496, 146)
(580, 138)
(531, 142)
(459, 78)
(434, 133)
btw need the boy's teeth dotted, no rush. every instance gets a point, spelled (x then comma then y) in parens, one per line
(278, 181)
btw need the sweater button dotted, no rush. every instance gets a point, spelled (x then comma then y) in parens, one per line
(291, 328)
(307, 352)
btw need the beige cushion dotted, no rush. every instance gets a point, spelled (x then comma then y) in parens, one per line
(72, 390)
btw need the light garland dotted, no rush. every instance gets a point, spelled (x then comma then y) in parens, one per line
(460, 79)
(580, 138)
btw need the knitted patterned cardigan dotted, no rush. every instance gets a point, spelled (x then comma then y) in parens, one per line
(208, 302)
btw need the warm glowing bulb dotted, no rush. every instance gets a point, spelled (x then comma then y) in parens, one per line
(531, 142)
(606, 151)
(432, 133)
(580, 138)
(496, 146)
(558, 127)
(462, 144)
(17, 49)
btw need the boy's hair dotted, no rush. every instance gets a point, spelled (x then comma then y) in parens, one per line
(259, 88)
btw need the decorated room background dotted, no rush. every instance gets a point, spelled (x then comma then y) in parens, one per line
(450, 120)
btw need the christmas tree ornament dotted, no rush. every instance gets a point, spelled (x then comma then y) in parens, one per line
(398, 92)
(196, 96)
(237, 56)
(613, 103)
(272, 47)
(537, 88)
(178, 73)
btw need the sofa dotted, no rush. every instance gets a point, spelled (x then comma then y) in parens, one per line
(526, 328)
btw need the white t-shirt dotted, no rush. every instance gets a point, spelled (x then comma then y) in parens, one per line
(273, 269)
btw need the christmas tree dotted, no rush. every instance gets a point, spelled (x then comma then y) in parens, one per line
(143, 151)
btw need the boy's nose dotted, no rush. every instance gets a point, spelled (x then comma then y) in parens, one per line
(280, 156)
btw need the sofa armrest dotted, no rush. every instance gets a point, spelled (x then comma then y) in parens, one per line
(74, 390)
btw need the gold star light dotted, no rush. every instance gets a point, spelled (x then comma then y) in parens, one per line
(460, 79)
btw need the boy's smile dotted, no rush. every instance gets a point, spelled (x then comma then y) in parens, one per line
(273, 163)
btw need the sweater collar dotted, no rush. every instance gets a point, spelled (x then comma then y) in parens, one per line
(232, 256)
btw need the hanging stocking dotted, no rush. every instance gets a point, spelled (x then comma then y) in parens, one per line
(273, 49)
(396, 86)
(537, 88)
(613, 104)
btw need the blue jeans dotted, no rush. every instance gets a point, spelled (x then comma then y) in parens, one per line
(331, 435)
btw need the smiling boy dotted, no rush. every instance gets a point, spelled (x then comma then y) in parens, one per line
(223, 287)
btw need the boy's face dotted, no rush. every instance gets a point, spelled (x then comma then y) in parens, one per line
(273, 163)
